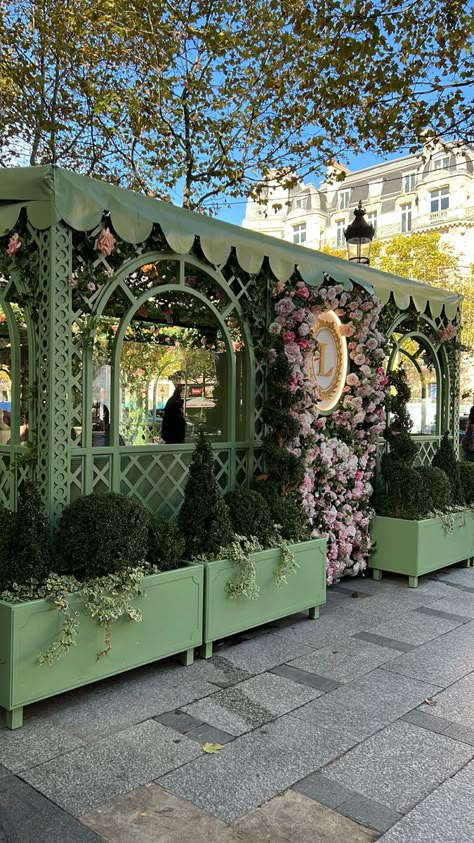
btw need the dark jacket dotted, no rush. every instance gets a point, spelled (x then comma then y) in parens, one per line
(173, 426)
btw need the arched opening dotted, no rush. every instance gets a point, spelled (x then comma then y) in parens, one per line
(417, 357)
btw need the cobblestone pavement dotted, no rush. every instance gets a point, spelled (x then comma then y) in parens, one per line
(354, 727)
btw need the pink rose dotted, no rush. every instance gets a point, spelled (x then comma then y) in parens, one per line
(91, 286)
(105, 243)
(289, 337)
(347, 330)
(14, 244)
(72, 282)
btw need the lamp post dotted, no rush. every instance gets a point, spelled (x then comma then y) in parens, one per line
(359, 235)
(162, 393)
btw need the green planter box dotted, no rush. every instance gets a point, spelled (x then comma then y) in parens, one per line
(172, 608)
(418, 547)
(306, 589)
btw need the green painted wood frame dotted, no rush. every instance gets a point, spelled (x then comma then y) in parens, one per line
(415, 548)
(172, 611)
(305, 590)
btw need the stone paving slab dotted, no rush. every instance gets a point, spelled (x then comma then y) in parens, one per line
(27, 817)
(369, 812)
(400, 765)
(38, 741)
(87, 777)
(330, 628)
(464, 576)
(252, 703)
(255, 767)
(441, 661)
(344, 660)
(456, 703)
(314, 680)
(152, 815)
(382, 641)
(218, 670)
(264, 652)
(93, 712)
(416, 627)
(461, 603)
(292, 818)
(362, 707)
(445, 816)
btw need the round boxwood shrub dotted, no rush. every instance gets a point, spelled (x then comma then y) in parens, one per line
(436, 485)
(287, 512)
(166, 545)
(445, 458)
(250, 515)
(466, 472)
(100, 534)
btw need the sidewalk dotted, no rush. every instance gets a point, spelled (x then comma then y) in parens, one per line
(356, 727)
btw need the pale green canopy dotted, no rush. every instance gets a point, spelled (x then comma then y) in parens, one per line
(50, 194)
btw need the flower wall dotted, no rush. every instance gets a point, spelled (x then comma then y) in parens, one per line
(338, 451)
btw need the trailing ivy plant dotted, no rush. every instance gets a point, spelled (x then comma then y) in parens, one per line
(105, 598)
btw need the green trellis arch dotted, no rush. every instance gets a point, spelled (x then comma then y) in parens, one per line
(156, 473)
(428, 443)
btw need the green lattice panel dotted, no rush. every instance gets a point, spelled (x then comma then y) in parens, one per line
(76, 476)
(156, 479)
(427, 449)
(101, 473)
(6, 480)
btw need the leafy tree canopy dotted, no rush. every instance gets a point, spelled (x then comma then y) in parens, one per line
(198, 100)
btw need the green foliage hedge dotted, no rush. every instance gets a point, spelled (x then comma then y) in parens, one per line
(446, 459)
(466, 472)
(167, 545)
(250, 515)
(100, 534)
(26, 539)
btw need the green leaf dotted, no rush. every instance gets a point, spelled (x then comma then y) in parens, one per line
(212, 748)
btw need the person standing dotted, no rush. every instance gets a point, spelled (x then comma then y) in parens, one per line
(468, 438)
(173, 426)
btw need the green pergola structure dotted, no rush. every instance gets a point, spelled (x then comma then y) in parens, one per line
(58, 286)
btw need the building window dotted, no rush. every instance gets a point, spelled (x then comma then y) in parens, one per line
(340, 239)
(343, 199)
(441, 163)
(300, 201)
(439, 200)
(409, 182)
(299, 233)
(406, 218)
(372, 219)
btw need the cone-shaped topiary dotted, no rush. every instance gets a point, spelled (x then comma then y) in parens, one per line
(102, 534)
(204, 517)
(30, 538)
(445, 458)
(250, 515)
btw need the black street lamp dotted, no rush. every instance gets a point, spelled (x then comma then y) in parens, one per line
(359, 235)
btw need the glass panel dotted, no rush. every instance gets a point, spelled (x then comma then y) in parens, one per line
(5, 380)
(418, 363)
(174, 370)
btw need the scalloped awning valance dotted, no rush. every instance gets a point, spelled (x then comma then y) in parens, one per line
(50, 194)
